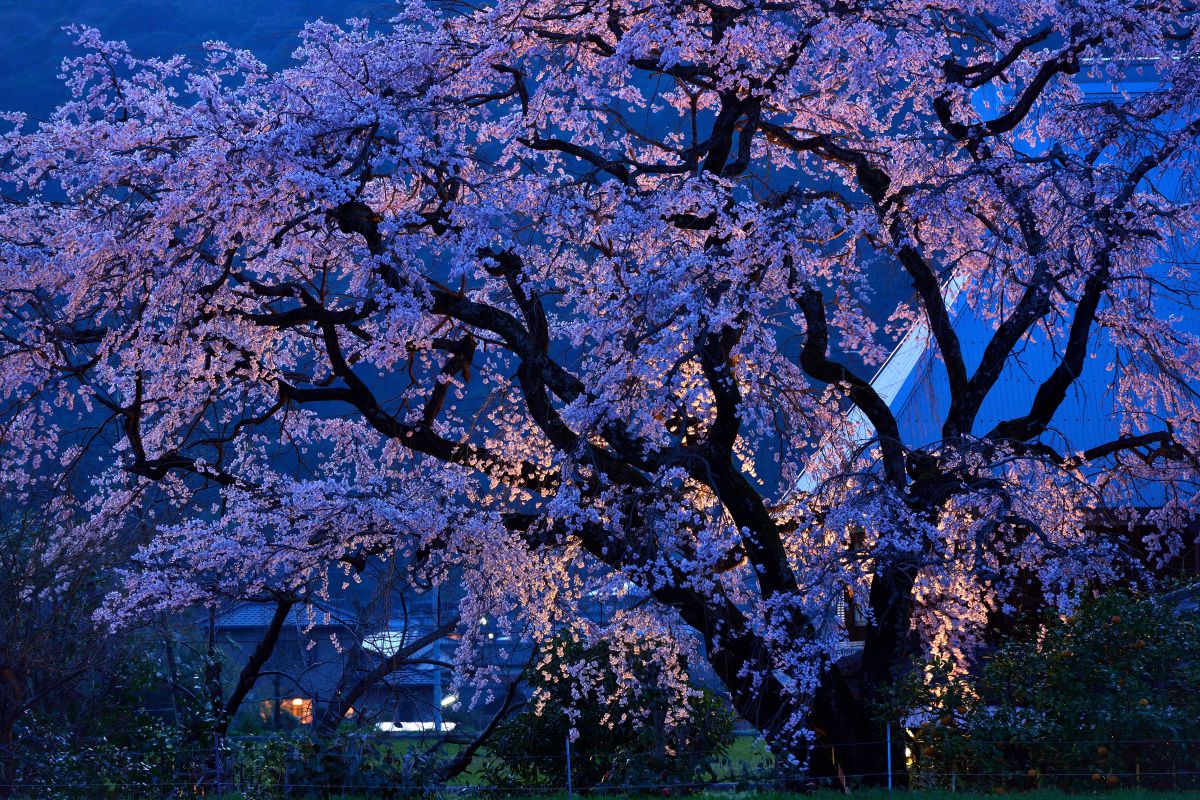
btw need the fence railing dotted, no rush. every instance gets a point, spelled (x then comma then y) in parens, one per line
(266, 768)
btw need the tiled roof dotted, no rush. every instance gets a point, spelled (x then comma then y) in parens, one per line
(259, 615)
(913, 380)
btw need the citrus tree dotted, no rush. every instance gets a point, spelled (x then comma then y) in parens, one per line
(1105, 696)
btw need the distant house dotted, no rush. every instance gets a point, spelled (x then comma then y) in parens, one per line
(298, 674)
(326, 645)
(321, 641)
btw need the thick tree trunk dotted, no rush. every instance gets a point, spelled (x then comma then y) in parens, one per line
(847, 714)
(851, 736)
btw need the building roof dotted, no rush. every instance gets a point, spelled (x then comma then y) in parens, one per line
(259, 615)
(913, 383)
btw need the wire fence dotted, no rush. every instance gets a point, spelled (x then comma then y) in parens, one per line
(275, 768)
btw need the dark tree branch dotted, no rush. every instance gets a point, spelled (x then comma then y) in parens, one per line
(254, 664)
(463, 758)
(614, 168)
(1167, 447)
(814, 359)
(876, 183)
(977, 75)
(347, 696)
(1053, 391)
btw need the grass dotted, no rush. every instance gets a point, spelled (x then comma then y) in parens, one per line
(748, 758)
(864, 794)
(883, 794)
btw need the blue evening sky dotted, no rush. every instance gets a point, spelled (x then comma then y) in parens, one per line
(32, 43)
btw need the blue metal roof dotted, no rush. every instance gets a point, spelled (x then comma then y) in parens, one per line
(913, 382)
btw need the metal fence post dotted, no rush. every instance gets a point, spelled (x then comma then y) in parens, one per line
(217, 759)
(569, 793)
(888, 741)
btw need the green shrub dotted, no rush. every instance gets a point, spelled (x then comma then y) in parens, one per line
(297, 765)
(53, 764)
(627, 743)
(1107, 698)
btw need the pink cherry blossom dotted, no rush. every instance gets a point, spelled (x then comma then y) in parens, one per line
(562, 298)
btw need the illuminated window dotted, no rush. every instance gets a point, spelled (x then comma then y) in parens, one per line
(299, 707)
(413, 727)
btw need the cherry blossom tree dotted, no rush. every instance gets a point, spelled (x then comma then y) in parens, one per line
(572, 297)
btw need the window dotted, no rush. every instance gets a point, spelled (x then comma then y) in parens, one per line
(299, 707)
